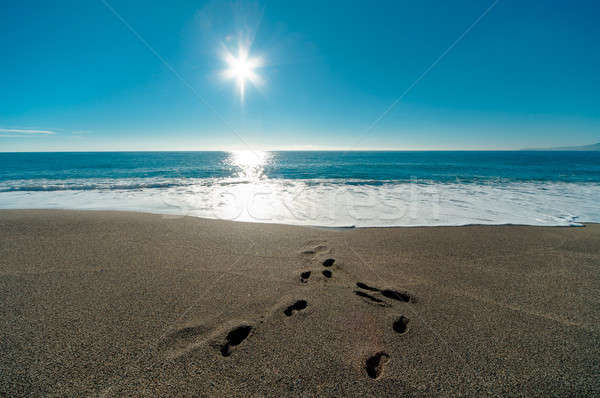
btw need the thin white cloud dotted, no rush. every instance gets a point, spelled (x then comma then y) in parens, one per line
(24, 131)
(15, 136)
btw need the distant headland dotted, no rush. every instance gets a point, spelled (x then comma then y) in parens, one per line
(592, 147)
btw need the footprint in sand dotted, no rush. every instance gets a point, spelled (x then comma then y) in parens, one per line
(297, 306)
(329, 262)
(326, 273)
(400, 325)
(234, 338)
(304, 276)
(317, 251)
(375, 364)
(237, 335)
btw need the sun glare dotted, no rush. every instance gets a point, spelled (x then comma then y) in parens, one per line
(250, 164)
(241, 68)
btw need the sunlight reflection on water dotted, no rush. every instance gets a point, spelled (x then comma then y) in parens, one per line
(250, 164)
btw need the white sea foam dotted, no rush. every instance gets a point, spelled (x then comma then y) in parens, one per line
(322, 202)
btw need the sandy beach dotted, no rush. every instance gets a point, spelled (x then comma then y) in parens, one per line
(110, 304)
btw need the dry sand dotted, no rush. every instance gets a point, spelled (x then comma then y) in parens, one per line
(115, 304)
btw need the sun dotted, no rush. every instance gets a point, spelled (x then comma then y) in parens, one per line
(241, 68)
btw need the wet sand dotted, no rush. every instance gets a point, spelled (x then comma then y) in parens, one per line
(114, 304)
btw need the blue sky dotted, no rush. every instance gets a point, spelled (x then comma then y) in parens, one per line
(74, 77)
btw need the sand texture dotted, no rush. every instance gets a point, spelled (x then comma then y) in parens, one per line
(110, 304)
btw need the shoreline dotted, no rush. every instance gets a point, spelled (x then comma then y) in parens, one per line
(581, 224)
(124, 303)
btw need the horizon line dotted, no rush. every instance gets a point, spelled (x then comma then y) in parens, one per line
(299, 150)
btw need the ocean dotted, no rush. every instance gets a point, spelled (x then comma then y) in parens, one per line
(329, 188)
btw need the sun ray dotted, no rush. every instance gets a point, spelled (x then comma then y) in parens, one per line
(241, 69)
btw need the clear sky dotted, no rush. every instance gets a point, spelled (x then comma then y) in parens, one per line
(74, 77)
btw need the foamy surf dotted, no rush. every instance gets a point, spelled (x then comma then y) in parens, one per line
(329, 203)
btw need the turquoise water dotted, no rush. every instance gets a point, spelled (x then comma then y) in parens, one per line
(367, 166)
(316, 188)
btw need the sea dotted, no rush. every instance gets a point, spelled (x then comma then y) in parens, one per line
(318, 188)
